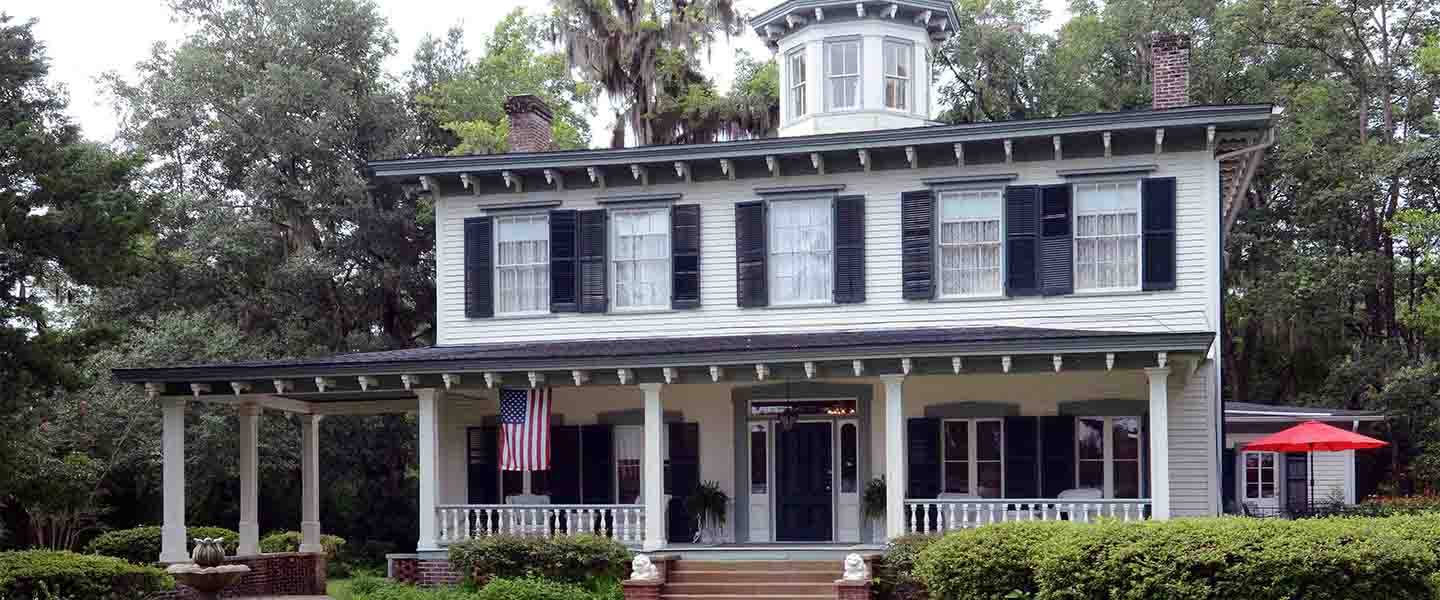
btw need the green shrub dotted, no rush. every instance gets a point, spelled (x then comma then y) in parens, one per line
(1202, 559)
(43, 574)
(894, 576)
(574, 559)
(995, 561)
(530, 588)
(289, 541)
(141, 545)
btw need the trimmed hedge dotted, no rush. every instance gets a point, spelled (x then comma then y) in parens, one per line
(289, 541)
(1316, 559)
(530, 588)
(576, 559)
(141, 545)
(46, 574)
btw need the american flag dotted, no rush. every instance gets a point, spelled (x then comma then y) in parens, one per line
(525, 429)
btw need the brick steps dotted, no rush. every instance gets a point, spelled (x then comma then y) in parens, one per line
(750, 580)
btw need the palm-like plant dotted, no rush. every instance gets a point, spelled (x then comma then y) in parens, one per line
(621, 44)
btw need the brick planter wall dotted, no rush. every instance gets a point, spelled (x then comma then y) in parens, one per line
(423, 571)
(278, 574)
(852, 590)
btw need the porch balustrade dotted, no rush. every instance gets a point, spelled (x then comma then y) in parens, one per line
(624, 523)
(940, 516)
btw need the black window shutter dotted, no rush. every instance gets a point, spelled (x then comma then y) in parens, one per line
(563, 284)
(1022, 244)
(1057, 264)
(1022, 457)
(922, 443)
(684, 478)
(597, 464)
(1057, 442)
(590, 244)
(685, 256)
(917, 245)
(479, 276)
(849, 249)
(1157, 207)
(750, 250)
(565, 468)
(483, 465)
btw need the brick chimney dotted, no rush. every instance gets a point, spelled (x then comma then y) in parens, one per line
(1170, 75)
(530, 122)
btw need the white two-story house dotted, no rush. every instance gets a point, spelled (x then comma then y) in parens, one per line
(1003, 320)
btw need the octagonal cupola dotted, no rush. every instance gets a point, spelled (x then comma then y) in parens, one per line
(854, 66)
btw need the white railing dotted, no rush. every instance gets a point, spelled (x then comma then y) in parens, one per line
(622, 522)
(939, 516)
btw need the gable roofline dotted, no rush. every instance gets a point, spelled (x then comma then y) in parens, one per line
(1227, 117)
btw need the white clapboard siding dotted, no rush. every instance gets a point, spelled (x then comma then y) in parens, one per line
(1194, 489)
(1190, 307)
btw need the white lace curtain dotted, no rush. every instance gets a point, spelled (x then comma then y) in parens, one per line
(641, 264)
(970, 245)
(1107, 236)
(800, 251)
(522, 264)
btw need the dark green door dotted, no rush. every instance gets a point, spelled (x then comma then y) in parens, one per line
(804, 473)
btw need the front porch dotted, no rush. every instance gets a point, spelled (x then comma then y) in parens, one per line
(981, 426)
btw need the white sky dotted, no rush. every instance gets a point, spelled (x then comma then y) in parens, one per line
(85, 38)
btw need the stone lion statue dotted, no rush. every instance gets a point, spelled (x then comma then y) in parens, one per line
(855, 568)
(641, 569)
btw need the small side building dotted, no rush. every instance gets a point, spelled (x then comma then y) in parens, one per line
(1273, 483)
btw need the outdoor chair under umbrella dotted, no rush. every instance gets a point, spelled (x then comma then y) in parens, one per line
(1312, 436)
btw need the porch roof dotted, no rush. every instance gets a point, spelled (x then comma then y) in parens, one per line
(1249, 412)
(672, 359)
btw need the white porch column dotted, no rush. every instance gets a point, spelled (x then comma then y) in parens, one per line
(895, 480)
(310, 481)
(249, 480)
(172, 536)
(654, 478)
(429, 440)
(1159, 442)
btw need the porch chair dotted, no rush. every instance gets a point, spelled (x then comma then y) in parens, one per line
(528, 528)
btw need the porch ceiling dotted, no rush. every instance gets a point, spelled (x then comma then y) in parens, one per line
(389, 377)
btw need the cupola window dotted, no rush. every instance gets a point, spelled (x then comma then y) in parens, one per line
(899, 61)
(843, 72)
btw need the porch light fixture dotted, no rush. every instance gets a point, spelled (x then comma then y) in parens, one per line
(790, 416)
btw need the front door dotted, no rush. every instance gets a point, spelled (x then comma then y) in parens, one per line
(804, 473)
(1260, 488)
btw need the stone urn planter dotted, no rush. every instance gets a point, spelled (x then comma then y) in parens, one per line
(205, 574)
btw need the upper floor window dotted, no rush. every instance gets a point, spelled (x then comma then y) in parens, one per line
(640, 264)
(801, 251)
(522, 264)
(1107, 236)
(842, 70)
(797, 82)
(1108, 455)
(974, 457)
(899, 61)
(970, 243)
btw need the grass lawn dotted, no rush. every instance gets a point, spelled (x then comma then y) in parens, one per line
(339, 589)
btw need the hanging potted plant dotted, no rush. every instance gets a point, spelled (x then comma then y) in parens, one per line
(872, 503)
(708, 505)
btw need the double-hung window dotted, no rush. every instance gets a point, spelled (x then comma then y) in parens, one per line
(801, 251)
(522, 264)
(899, 61)
(640, 263)
(974, 457)
(797, 83)
(1108, 455)
(842, 70)
(970, 243)
(1107, 236)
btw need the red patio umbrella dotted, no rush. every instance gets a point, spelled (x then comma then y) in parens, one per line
(1309, 437)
